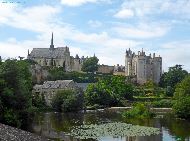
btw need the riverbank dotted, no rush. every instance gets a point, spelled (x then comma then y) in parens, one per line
(157, 110)
(8, 133)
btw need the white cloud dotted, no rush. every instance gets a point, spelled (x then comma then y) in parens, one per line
(80, 2)
(95, 23)
(110, 50)
(44, 23)
(144, 8)
(124, 13)
(32, 18)
(142, 30)
(176, 52)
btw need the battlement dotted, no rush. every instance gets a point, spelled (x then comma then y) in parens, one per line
(142, 66)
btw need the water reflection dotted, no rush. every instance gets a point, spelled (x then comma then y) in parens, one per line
(57, 125)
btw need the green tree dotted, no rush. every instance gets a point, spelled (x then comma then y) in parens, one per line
(182, 107)
(15, 91)
(38, 101)
(175, 75)
(138, 111)
(109, 91)
(68, 100)
(90, 64)
(183, 88)
(98, 94)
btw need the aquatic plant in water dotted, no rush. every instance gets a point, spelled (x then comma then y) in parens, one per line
(115, 129)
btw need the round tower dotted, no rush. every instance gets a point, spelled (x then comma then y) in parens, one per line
(128, 62)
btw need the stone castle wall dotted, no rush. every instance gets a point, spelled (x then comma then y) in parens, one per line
(143, 67)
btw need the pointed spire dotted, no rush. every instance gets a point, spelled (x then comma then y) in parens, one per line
(52, 38)
(52, 46)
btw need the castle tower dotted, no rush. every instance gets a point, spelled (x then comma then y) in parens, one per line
(143, 67)
(51, 46)
(128, 62)
(156, 68)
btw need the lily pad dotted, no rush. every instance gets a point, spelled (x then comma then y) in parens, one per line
(115, 129)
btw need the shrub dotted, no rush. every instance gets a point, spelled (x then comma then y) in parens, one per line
(183, 88)
(181, 107)
(38, 101)
(109, 91)
(164, 103)
(15, 91)
(138, 111)
(67, 101)
(11, 118)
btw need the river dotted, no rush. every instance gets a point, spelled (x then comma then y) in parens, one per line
(55, 125)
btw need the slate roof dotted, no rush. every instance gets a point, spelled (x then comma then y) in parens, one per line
(37, 87)
(48, 53)
(59, 84)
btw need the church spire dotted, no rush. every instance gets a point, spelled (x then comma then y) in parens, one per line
(52, 46)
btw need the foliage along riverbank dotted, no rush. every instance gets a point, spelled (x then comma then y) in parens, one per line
(17, 103)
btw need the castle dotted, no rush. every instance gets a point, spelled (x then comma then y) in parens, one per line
(143, 67)
(58, 57)
(138, 66)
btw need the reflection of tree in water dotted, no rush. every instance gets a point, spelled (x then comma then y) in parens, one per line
(143, 122)
(178, 128)
(54, 125)
(101, 117)
(64, 122)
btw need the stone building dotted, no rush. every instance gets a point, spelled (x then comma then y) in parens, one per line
(49, 88)
(105, 69)
(57, 57)
(143, 67)
(119, 70)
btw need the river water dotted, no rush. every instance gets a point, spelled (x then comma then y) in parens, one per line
(56, 125)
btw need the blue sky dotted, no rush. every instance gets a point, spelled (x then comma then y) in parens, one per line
(104, 27)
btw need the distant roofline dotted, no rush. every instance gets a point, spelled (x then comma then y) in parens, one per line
(49, 48)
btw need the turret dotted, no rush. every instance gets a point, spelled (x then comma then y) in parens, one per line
(76, 57)
(128, 52)
(153, 55)
(128, 62)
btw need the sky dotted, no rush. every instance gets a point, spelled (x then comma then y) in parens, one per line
(105, 28)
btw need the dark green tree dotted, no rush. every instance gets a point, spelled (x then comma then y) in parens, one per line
(68, 100)
(183, 88)
(181, 107)
(175, 75)
(90, 64)
(109, 91)
(15, 91)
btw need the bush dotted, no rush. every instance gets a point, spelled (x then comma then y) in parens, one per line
(182, 107)
(138, 111)
(164, 103)
(109, 91)
(11, 118)
(38, 101)
(183, 88)
(67, 101)
(15, 91)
